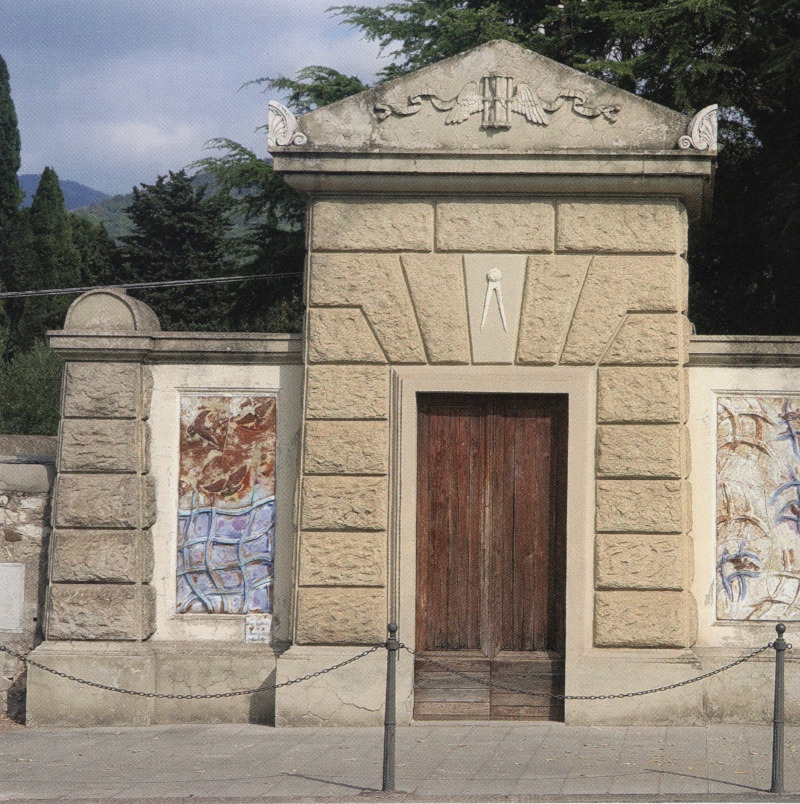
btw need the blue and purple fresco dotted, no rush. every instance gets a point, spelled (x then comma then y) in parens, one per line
(758, 507)
(226, 505)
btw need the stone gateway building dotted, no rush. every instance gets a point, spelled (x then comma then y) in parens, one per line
(497, 430)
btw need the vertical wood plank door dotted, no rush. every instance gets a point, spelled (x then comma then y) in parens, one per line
(491, 555)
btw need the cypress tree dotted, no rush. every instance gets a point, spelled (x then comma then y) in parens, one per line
(56, 264)
(10, 193)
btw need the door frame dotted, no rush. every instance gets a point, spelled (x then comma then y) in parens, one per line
(579, 383)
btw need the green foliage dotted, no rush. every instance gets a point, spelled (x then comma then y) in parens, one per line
(178, 233)
(47, 259)
(314, 86)
(100, 259)
(111, 213)
(30, 386)
(10, 149)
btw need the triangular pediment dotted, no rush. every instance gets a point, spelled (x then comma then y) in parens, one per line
(496, 97)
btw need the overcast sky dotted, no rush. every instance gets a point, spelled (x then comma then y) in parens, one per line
(112, 93)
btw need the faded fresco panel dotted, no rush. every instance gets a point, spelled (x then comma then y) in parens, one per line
(758, 507)
(226, 504)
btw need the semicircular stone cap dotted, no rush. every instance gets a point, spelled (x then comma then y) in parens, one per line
(109, 310)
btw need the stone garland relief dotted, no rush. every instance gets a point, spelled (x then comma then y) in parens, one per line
(226, 502)
(496, 96)
(758, 507)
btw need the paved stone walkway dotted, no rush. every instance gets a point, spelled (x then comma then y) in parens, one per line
(478, 761)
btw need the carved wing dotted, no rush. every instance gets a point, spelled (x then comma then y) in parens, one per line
(524, 103)
(282, 126)
(468, 102)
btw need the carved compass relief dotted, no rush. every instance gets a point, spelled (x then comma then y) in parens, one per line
(496, 97)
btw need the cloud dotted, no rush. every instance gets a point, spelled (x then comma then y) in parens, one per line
(115, 92)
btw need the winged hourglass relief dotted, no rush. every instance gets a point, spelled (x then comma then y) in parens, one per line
(496, 97)
(758, 507)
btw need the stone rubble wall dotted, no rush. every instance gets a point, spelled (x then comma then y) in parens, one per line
(27, 468)
(606, 286)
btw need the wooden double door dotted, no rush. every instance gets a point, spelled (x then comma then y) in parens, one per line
(491, 555)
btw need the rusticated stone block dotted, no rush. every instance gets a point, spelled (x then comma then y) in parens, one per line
(437, 289)
(639, 450)
(341, 335)
(109, 556)
(615, 286)
(343, 558)
(371, 226)
(100, 611)
(551, 293)
(374, 282)
(344, 503)
(505, 226)
(340, 616)
(346, 448)
(97, 501)
(647, 338)
(347, 392)
(628, 394)
(103, 390)
(639, 506)
(635, 225)
(640, 619)
(639, 561)
(100, 445)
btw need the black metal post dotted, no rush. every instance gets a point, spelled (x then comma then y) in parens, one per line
(777, 721)
(390, 719)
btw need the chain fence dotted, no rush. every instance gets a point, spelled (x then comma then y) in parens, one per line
(393, 646)
(559, 697)
(189, 697)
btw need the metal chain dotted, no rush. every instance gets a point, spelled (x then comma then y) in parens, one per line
(556, 696)
(23, 657)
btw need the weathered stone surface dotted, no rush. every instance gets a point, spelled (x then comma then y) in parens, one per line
(86, 501)
(486, 226)
(343, 558)
(615, 286)
(635, 225)
(346, 448)
(647, 338)
(371, 226)
(436, 282)
(102, 390)
(100, 445)
(640, 506)
(100, 611)
(109, 556)
(639, 561)
(347, 392)
(341, 335)
(640, 619)
(344, 503)
(551, 293)
(630, 394)
(639, 450)
(107, 310)
(375, 282)
(340, 616)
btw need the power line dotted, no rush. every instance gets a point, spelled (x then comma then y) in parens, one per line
(171, 283)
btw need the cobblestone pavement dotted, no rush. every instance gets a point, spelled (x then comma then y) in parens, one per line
(466, 761)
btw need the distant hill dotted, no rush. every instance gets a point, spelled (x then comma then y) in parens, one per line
(111, 212)
(75, 194)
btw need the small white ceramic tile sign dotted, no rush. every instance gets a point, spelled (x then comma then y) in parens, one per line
(12, 596)
(258, 628)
